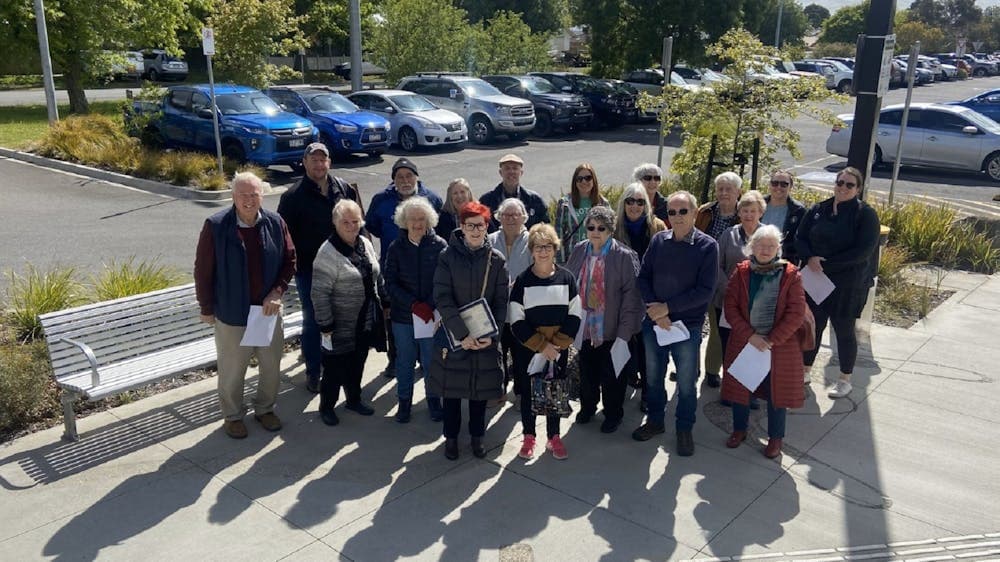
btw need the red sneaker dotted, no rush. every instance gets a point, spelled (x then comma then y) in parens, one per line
(558, 449)
(527, 447)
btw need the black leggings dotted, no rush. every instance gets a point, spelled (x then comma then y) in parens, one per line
(453, 417)
(847, 338)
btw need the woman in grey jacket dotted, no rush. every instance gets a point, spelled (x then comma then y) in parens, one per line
(606, 272)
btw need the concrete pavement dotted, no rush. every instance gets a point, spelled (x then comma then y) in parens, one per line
(905, 468)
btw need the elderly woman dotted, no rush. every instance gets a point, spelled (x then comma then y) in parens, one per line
(512, 241)
(784, 212)
(714, 219)
(765, 305)
(544, 314)
(469, 269)
(347, 293)
(572, 209)
(606, 270)
(459, 193)
(636, 224)
(409, 277)
(650, 176)
(839, 237)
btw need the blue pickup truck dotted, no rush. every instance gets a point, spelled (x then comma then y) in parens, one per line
(253, 128)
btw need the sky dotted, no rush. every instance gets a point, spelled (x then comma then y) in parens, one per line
(834, 5)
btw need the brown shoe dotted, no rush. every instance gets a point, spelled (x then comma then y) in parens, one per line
(235, 429)
(773, 449)
(269, 421)
(735, 439)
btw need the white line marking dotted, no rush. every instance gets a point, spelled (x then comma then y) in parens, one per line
(973, 545)
(974, 554)
(869, 556)
(857, 548)
(811, 552)
(930, 559)
(920, 551)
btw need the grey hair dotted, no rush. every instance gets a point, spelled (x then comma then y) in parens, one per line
(647, 169)
(415, 204)
(512, 202)
(248, 178)
(602, 214)
(730, 178)
(635, 191)
(763, 231)
(687, 196)
(345, 204)
(750, 198)
(461, 182)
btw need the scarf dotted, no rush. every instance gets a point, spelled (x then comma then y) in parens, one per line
(765, 282)
(635, 228)
(592, 283)
(358, 257)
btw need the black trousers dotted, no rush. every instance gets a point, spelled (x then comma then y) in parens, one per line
(453, 417)
(507, 343)
(342, 370)
(522, 358)
(847, 337)
(598, 381)
(723, 332)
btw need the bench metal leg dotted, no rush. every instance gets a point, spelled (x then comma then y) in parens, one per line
(69, 417)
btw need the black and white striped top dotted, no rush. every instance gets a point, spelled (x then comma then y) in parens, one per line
(535, 302)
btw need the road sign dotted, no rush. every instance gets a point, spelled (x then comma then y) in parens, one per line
(888, 49)
(207, 41)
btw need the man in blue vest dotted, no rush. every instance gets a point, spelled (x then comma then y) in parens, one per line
(245, 258)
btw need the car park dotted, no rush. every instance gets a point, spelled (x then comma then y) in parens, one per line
(937, 136)
(933, 65)
(987, 103)
(846, 61)
(343, 127)
(699, 76)
(252, 127)
(554, 109)
(611, 107)
(821, 68)
(127, 65)
(978, 67)
(160, 65)
(650, 80)
(487, 111)
(843, 77)
(414, 120)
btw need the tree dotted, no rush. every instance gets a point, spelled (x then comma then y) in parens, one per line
(816, 15)
(505, 44)
(793, 23)
(541, 16)
(845, 25)
(248, 31)
(930, 12)
(988, 29)
(932, 39)
(327, 21)
(422, 35)
(959, 15)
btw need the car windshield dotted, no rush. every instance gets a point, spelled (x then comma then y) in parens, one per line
(982, 121)
(588, 84)
(838, 65)
(676, 79)
(538, 85)
(330, 103)
(477, 88)
(712, 76)
(412, 103)
(246, 104)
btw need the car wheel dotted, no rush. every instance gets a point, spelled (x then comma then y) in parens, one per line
(408, 139)
(480, 130)
(234, 151)
(992, 166)
(877, 161)
(543, 124)
(153, 75)
(980, 72)
(844, 87)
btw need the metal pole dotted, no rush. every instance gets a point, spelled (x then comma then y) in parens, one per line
(43, 50)
(356, 68)
(215, 114)
(777, 27)
(753, 167)
(708, 169)
(668, 47)
(911, 69)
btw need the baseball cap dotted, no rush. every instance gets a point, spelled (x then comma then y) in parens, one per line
(317, 146)
(511, 158)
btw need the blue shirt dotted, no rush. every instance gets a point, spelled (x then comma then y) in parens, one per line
(682, 274)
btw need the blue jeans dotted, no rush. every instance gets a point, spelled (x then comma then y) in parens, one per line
(686, 356)
(407, 351)
(310, 330)
(775, 416)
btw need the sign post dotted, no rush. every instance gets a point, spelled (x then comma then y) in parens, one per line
(208, 47)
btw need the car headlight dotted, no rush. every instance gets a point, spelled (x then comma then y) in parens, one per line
(256, 130)
(502, 110)
(427, 124)
(388, 126)
(345, 128)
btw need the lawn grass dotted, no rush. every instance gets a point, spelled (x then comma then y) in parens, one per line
(22, 124)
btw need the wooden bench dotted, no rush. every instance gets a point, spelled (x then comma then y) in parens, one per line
(107, 348)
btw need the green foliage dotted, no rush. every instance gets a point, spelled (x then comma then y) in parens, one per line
(248, 31)
(88, 139)
(182, 167)
(422, 35)
(37, 293)
(26, 393)
(129, 278)
(845, 24)
(543, 16)
(932, 234)
(213, 181)
(932, 39)
(14, 81)
(834, 49)
(816, 15)
(505, 44)
(793, 23)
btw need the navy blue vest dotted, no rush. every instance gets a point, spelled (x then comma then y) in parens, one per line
(232, 285)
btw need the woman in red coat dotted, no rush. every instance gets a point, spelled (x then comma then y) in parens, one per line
(765, 305)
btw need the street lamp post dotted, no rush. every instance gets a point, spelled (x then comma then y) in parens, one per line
(43, 48)
(777, 27)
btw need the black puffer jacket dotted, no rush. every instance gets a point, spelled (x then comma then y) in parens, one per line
(409, 273)
(458, 280)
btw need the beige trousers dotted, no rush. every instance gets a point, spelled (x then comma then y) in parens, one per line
(233, 360)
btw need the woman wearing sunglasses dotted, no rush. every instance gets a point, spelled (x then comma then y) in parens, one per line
(784, 212)
(606, 271)
(571, 210)
(650, 177)
(839, 237)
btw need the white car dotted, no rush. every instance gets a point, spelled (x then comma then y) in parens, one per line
(415, 120)
(843, 77)
(937, 136)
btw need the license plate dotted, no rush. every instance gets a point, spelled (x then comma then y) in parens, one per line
(297, 142)
(374, 138)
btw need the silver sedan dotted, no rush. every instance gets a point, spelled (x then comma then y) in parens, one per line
(415, 120)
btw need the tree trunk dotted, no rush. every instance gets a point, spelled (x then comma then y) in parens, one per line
(74, 88)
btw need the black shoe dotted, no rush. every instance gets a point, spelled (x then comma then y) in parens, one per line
(403, 411)
(685, 443)
(583, 416)
(478, 450)
(610, 425)
(390, 370)
(329, 417)
(673, 376)
(451, 449)
(647, 431)
(312, 384)
(712, 380)
(360, 407)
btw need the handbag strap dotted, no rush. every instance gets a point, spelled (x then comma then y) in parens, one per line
(486, 276)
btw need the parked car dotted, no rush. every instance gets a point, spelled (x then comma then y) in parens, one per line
(554, 109)
(343, 127)
(978, 67)
(486, 110)
(699, 76)
(846, 61)
(937, 136)
(921, 76)
(611, 107)
(159, 65)
(367, 69)
(824, 69)
(414, 120)
(651, 80)
(987, 103)
(932, 64)
(253, 128)
(843, 77)
(127, 65)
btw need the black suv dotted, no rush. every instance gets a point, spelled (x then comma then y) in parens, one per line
(553, 108)
(611, 107)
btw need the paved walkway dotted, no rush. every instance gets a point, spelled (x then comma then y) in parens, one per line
(906, 468)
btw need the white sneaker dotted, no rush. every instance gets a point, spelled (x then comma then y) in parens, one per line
(840, 390)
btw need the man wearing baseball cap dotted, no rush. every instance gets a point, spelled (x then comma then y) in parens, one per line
(307, 208)
(511, 170)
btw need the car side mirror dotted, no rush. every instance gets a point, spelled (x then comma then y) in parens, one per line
(970, 130)
(389, 109)
(205, 113)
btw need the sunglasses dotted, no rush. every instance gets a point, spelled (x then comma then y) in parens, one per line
(776, 183)
(639, 202)
(592, 228)
(849, 185)
(650, 178)
(584, 178)
(675, 212)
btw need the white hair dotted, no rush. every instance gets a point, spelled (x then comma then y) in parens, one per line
(512, 202)
(343, 205)
(248, 178)
(729, 178)
(415, 204)
(763, 231)
(647, 169)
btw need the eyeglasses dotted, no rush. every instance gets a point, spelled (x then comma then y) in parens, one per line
(650, 178)
(639, 202)
(776, 183)
(849, 185)
(474, 226)
(592, 228)
(675, 212)
(544, 248)
(510, 216)
(584, 178)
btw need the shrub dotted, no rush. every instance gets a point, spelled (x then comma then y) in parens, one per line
(213, 181)
(932, 234)
(26, 392)
(961, 74)
(891, 264)
(181, 167)
(130, 278)
(82, 137)
(38, 293)
(149, 165)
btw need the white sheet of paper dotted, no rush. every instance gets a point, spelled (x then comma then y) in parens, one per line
(537, 364)
(751, 366)
(326, 340)
(260, 328)
(578, 342)
(619, 355)
(423, 330)
(723, 323)
(677, 332)
(818, 285)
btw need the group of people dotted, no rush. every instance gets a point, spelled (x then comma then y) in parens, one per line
(618, 285)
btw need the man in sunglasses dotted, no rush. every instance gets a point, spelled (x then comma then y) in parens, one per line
(677, 281)
(784, 212)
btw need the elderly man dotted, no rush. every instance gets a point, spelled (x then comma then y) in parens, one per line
(511, 170)
(245, 258)
(306, 208)
(677, 281)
